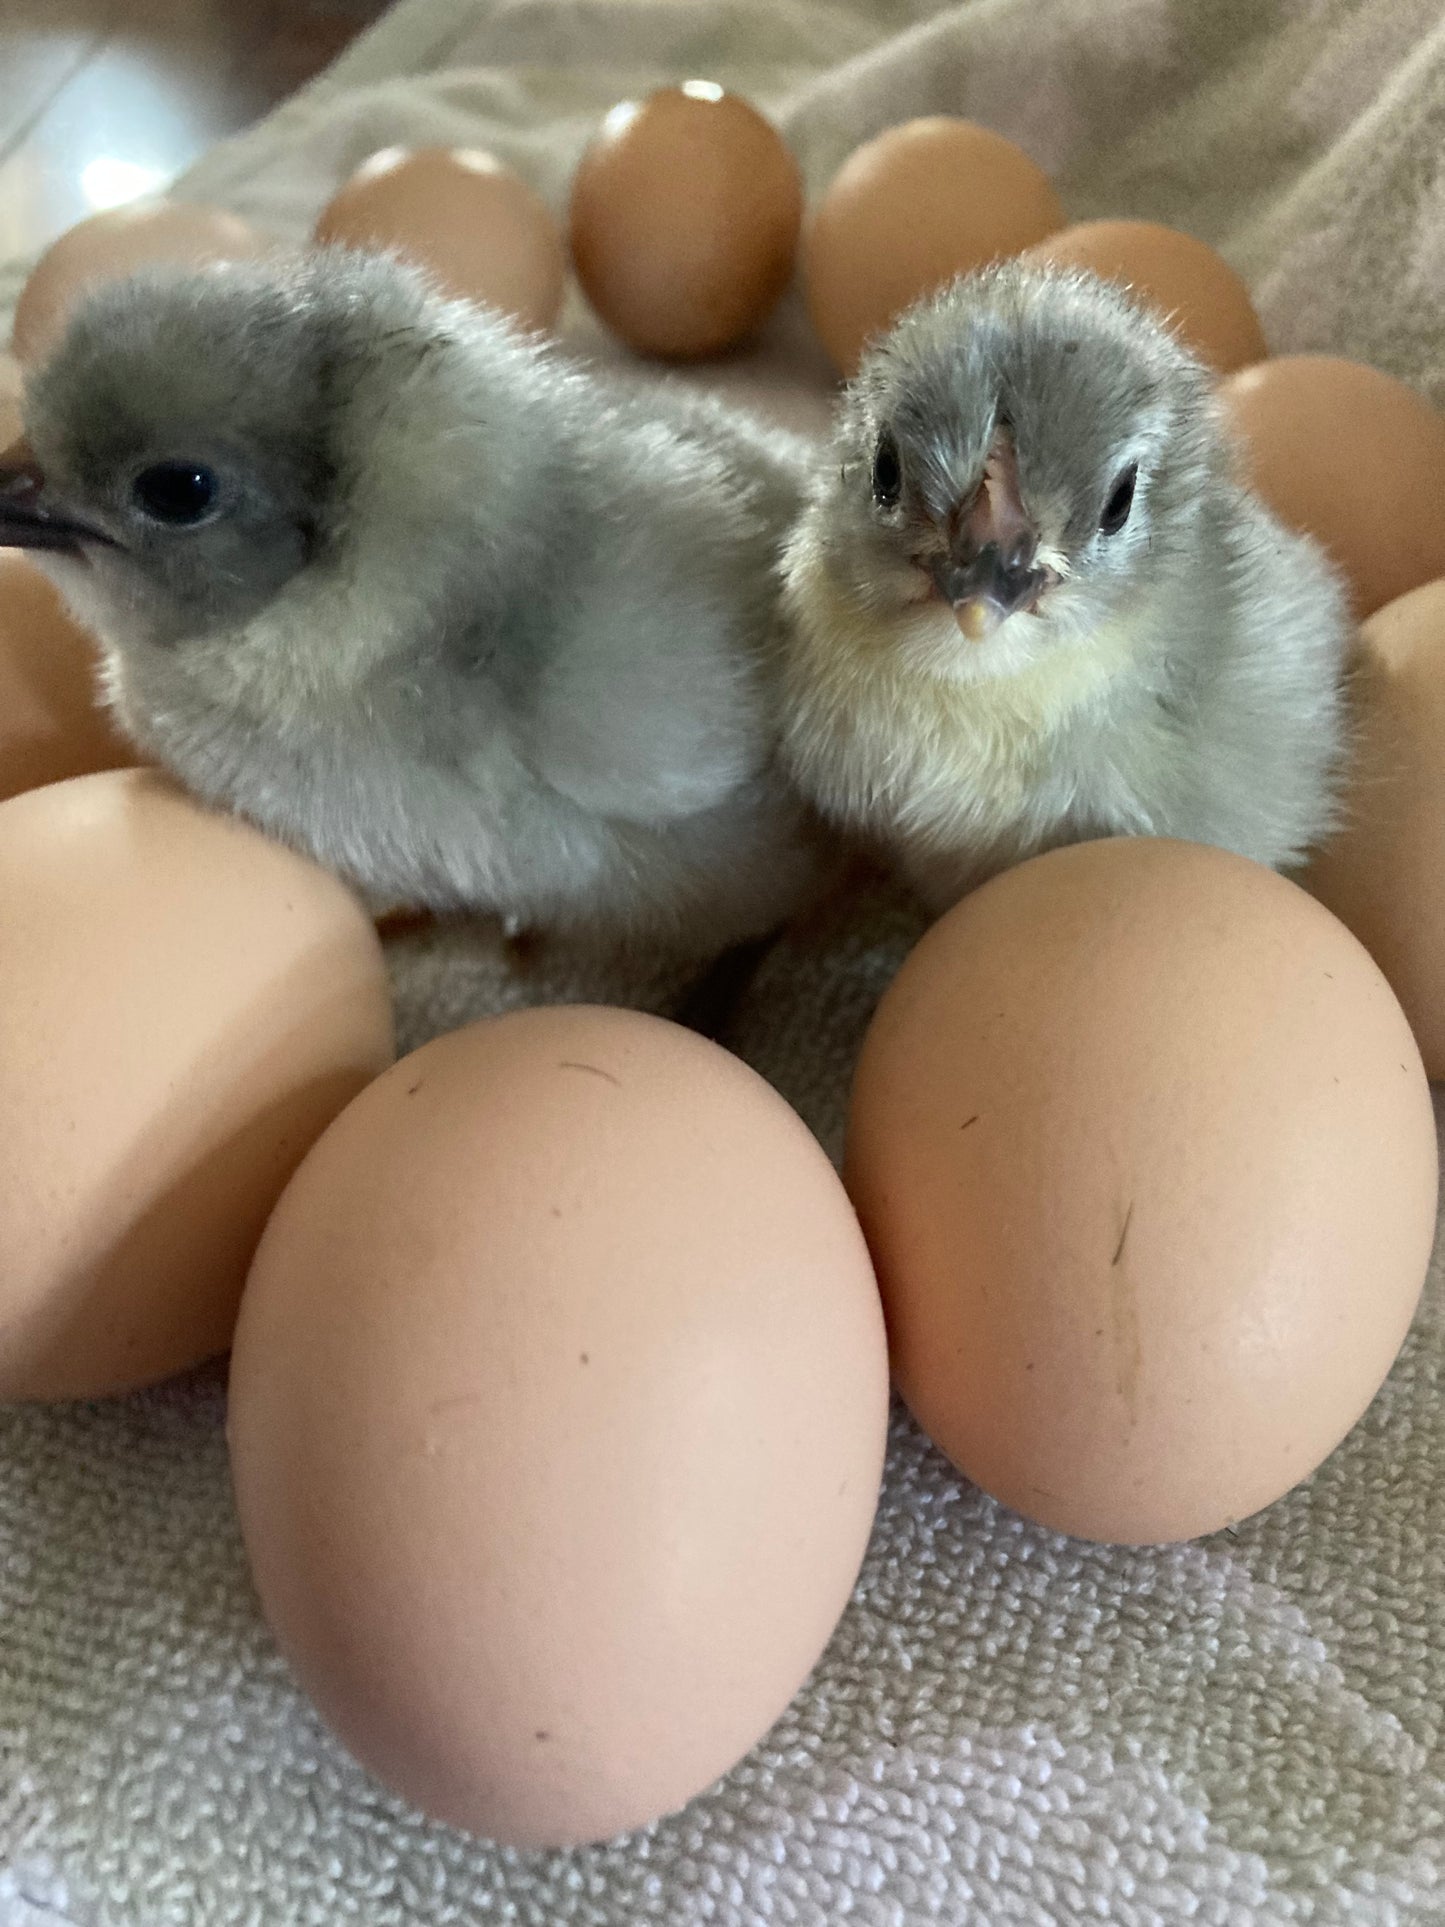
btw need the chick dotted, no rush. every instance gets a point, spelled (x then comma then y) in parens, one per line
(396, 583)
(1030, 603)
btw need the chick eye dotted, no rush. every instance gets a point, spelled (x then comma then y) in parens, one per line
(887, 472)
(1121, 500)
(177, 493)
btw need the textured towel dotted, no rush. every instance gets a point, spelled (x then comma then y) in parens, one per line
(1008, 1726)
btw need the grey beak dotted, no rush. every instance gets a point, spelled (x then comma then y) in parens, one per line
(992, 570)
(986, 586)
(29, 516)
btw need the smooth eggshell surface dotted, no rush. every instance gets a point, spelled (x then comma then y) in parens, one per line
(1352, 457)
(906, 213)
(557, 1420)
(184, 1007)
(1194, 289)
(51, 721)
(686, 209)
(1384, 874)
(480, 232)
(1145, 1154)
(108, 246)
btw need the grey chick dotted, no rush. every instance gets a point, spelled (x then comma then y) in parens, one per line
(1030, 604)
(416, 597)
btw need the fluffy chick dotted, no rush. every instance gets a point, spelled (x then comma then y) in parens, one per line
(1031, 604)
(400, 586)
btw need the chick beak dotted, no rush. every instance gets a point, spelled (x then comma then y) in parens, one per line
(30, 517)
(988, 585)
(991, 571)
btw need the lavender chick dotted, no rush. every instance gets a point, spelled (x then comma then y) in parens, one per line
(471, 628)
(1030, 603)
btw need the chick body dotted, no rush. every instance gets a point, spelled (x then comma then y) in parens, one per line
(464, 623)
(1178, 676)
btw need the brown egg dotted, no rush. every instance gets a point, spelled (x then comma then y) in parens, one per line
(1352, 457)
(477, 228)
(685, 217)
(1196, 290)
(116, 243)
(906, 213)
(1384, 874)
(184, 1008)
(557, 1420)
(51, 721)
(1145, 1154)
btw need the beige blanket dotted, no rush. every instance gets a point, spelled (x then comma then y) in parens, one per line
(1008, 1726)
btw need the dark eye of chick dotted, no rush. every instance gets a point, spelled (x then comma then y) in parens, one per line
(177, 493)
(887, 472)
(1121, 500)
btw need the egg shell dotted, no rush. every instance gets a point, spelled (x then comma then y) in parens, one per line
(1352, 457)
(686, 210)
(476, 227)
(107, 246)
(1146, 1158)
(906, 213)
(184, 1007)
(558, 1407)
(1384, 873)
(52, 724)
(1194, 289)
